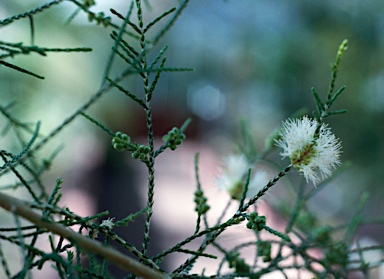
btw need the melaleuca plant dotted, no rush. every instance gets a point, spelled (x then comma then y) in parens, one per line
(75, 247)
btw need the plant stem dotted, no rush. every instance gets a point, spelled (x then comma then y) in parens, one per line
(150, 134)
(18, 207)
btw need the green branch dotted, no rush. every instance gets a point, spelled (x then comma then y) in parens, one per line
(127, 263)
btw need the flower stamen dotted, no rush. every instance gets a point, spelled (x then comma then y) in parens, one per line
(311, 147)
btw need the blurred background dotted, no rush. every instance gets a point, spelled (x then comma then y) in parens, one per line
(254, 61)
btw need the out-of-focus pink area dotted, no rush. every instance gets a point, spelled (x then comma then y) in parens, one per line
(174, 217)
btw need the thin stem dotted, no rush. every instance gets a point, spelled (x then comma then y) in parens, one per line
(335, 67)
(175, 248)
(198, 186)
(113, 53)
(65, 123)
(188, 263)
(264, 190)
(29, 13)
(150, 134)
(127, 263)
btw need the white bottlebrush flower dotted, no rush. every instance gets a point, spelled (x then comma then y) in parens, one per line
(108, 223)
(309, 152)
(234, 175)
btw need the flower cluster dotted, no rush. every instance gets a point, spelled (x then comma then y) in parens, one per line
(310, 146)
(234, 175)
(121, 141)
(174, 138)
(99, 18)
(108, 223)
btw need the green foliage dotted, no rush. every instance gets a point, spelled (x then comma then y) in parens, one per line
(121, 142)
(74, 247)
(174, 138)
(256, 222)
(323, 108)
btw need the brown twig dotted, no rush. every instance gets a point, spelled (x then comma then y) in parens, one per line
(19, 207)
